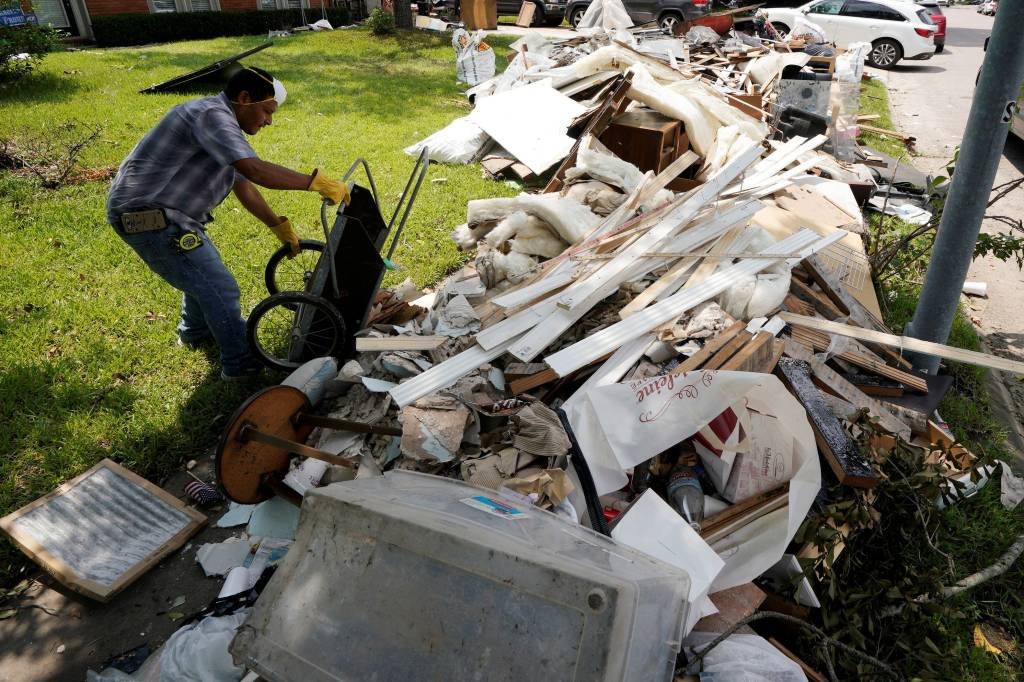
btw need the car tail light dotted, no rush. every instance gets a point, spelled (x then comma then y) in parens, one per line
(700, 3)
(924, 32)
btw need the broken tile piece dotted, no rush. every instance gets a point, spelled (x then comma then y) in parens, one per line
(236, 515)
(275, 518)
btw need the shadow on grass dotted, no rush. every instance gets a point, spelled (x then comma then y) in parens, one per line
(40, 87)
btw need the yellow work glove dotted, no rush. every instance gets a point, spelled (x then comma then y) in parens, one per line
(286, 233)
(332, 190)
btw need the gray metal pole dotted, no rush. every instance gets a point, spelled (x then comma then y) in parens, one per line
(982, 147)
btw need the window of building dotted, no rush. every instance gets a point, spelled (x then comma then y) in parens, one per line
(283, 4)
(160, 6)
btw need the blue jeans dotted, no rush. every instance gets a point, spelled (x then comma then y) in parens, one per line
(210, 301)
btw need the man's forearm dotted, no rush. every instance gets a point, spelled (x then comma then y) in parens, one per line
(254, 203)
(270, 175)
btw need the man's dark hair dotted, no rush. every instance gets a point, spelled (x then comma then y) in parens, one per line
(257, 82)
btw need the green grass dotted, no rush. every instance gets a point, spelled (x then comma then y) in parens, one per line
(90, 369)
(973, 533)
(875, 100)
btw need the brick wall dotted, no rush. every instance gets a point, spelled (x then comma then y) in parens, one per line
(101, 7)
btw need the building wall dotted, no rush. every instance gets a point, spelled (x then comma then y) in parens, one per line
(103, 7)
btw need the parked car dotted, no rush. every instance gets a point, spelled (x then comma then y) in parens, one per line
(896, 30)
(667, 13)
(988, 8)
(547, 12)
(938, 18)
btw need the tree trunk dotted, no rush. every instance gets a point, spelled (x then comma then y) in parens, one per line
(403, 14)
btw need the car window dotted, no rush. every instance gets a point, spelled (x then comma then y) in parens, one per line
(925, 17)
(826, 7)
(870, 10)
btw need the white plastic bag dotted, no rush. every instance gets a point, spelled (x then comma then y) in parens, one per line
(604, 15)
(461, 141)
(804, 27)
(474, 59)
(622, 425)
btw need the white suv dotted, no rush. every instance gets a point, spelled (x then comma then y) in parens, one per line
(896, 30)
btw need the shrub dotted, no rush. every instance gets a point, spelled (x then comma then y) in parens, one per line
(381, 22)
(35, 41)
(119, 30)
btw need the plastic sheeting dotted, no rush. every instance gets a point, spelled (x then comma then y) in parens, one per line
(604, 15)
(461, 141)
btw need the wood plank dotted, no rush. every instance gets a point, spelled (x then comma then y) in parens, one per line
(755, 354)
(728, 350)
(710, 263)
(797, 305)
(907, 343)
(733, 604)
(725, 530)
(848, 391)
(903, 137)
(872, 384)
(711, 347)
(525, 18)
(821, 342)
(834, 443)
(859, 313)
(819, 302)
(386, 343)
(734, 511)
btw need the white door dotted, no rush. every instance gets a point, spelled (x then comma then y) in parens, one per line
(824, 14)
(51, 12)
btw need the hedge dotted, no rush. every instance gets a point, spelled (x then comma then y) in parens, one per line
(119, 30)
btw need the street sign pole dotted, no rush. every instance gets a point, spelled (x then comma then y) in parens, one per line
(984, 138)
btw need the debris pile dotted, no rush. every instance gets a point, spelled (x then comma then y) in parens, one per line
(641, 369)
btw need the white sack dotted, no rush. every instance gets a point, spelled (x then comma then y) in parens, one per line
(700, 127)
(474, 59)
(570, 219)
(461, 141)
(604, 15)
(619, 426)
(742, 658)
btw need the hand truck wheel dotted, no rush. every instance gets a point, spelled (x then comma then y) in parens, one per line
(292, 274)
(289, 328)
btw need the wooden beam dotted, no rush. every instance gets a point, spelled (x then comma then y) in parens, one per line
(907, 343)
(821, 342)
(820, 302)
(711, 347)
(728, 350)
(372, 344)
(752, 356)
(834, 443)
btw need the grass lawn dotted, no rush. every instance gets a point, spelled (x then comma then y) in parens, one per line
(875, 100)
(90, 368)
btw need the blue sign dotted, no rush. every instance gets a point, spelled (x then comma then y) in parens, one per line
(12, 16)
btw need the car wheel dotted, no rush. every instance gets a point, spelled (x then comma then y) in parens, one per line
(885, 53)
(538, 15)
(668, 22)
(577, 16)
(781, 29)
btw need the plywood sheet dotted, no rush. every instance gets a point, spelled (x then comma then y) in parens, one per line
(510, 118)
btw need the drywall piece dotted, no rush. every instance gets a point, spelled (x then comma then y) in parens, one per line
(444, 374)
(906, 343)
(834, 443)
(613, 271)
(538, 146)
(101, 530)
(219, 558)
(236, 515)
(274, 518)
(431, 434)
(594, 346)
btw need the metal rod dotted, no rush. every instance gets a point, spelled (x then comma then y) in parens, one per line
(248, 433)
(346, 425)
(992, 110)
